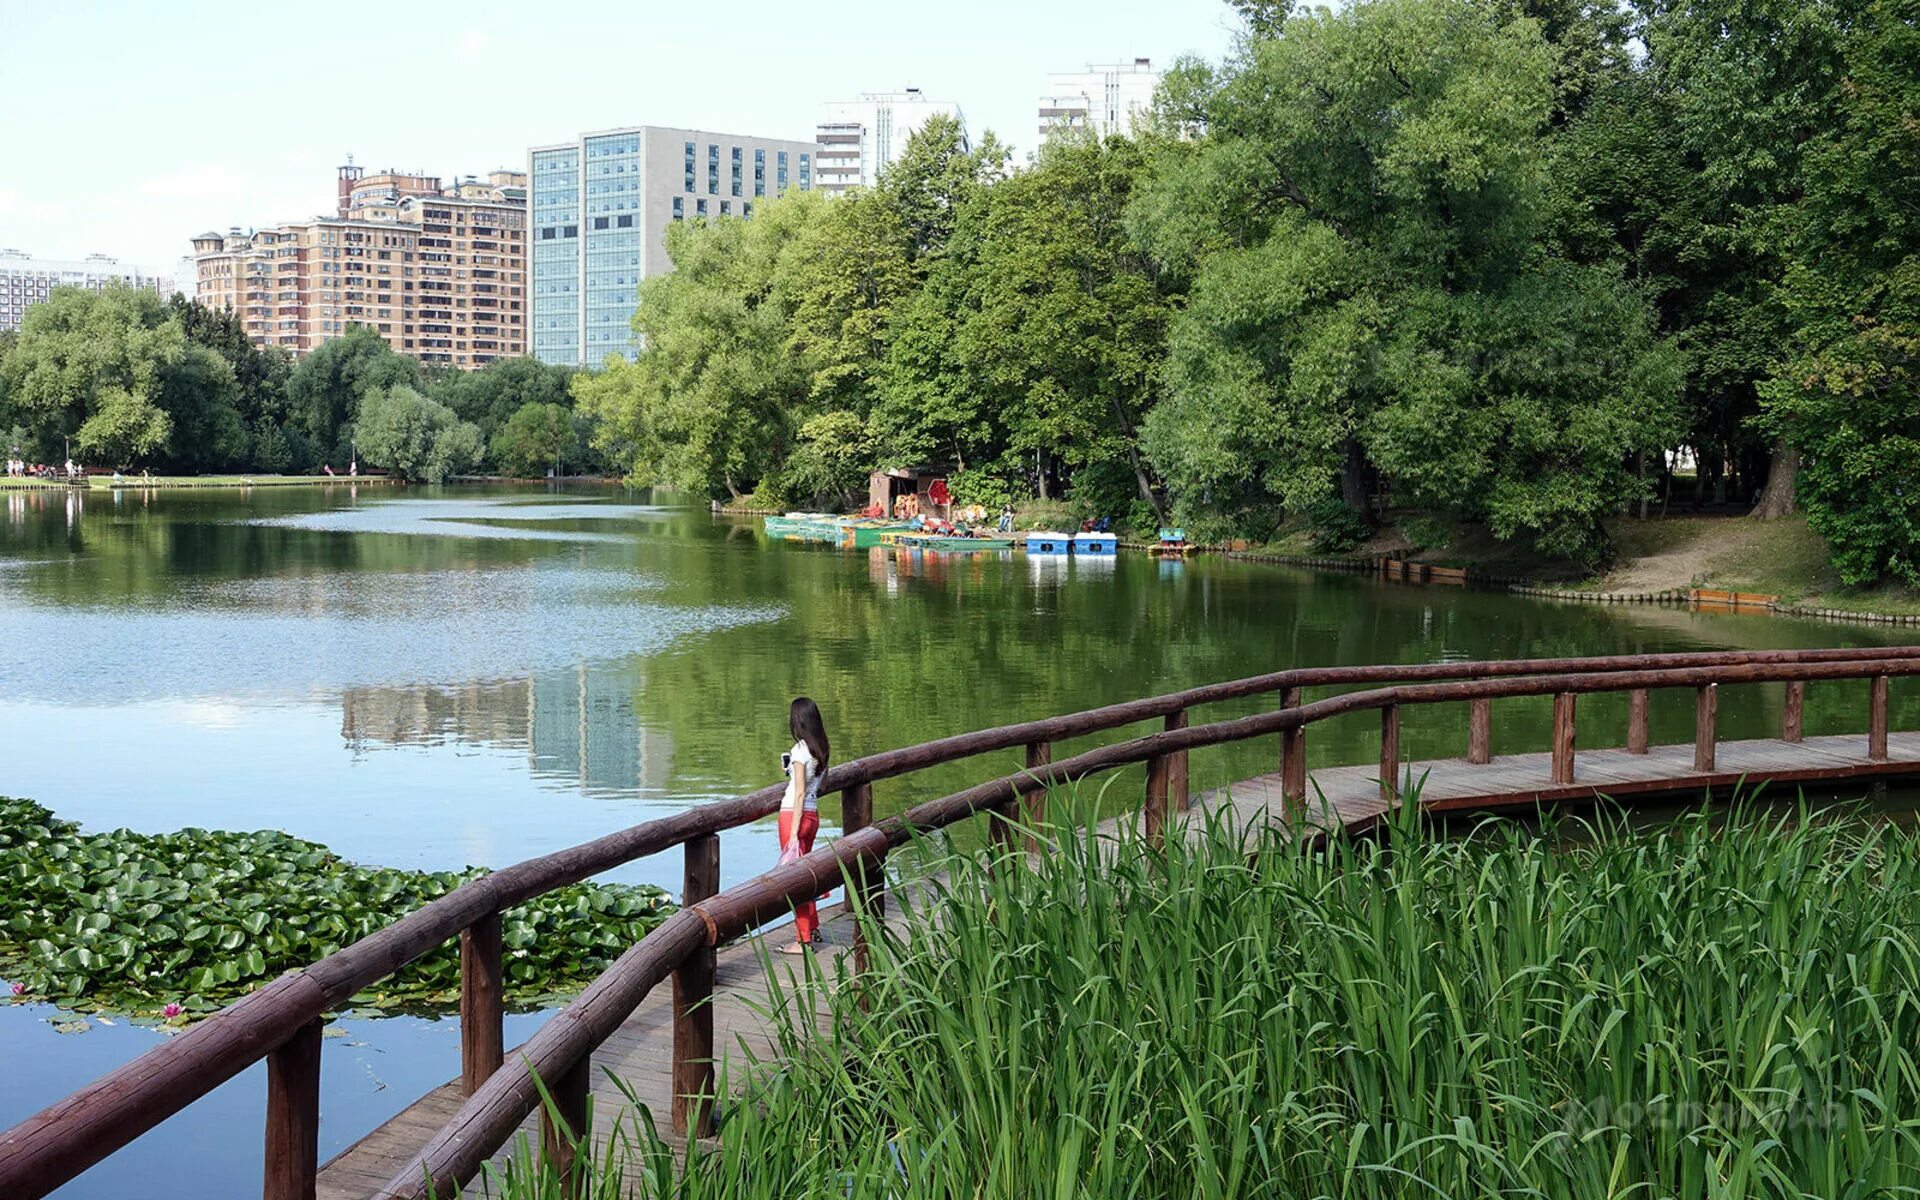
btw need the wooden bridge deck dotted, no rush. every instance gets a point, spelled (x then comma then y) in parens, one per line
(1347, 797)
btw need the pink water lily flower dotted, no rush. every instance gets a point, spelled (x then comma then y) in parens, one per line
(171, 1010)
(19, 989)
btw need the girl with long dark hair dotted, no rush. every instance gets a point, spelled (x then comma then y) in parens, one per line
(800, 811)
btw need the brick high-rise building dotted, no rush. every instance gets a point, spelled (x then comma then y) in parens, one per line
(439, 271)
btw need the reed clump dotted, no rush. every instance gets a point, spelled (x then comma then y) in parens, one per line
(1721, 1008)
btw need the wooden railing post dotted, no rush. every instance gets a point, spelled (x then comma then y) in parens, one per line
(1293, 759)
(293, 1116)
(1039, 754)
(1155, 809)
(1177, 765)
(1706, 709)
(1793, 713)
(1637, 721)
(481, 1035)
(693, 1086)
(1480, 731)
(1563, 737)
(563, 1124)
(856, 813)
(1390, 752)
(1877, 719)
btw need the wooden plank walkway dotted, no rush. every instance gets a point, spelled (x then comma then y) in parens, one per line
(1349, 798)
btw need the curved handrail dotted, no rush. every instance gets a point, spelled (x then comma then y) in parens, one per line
(488, 1117)
(70, 1135)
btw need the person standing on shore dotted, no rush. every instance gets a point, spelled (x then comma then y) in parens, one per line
(805, 764)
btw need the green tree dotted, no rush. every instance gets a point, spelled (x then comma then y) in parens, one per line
(201, 400)
(1848, 394)
(414, 437)
(1366, 224)
(1038, 336)
(535, 438)
(1688, 172)
(711, 403)
(490, 396)
(832, 458)
(124, 426)
(841, 278)
(83, 354)
(259, 372)
(325, 389)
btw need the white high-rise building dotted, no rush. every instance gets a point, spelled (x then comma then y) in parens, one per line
(1105, 98)
(858, 138)
(26, 280)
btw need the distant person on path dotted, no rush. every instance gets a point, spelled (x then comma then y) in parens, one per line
(800, 811)
(1006, 518)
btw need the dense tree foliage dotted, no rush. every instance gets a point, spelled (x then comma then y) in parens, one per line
(120, 379)
(1848, 394)
(414, 437)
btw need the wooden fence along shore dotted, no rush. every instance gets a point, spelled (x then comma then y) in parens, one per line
(281, 1022)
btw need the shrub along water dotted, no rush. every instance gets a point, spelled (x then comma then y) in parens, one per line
(1711, 1010)
(136, 922)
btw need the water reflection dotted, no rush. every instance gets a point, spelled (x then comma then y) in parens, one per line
(577, 728)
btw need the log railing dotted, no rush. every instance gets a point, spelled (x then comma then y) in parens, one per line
(280, 1022)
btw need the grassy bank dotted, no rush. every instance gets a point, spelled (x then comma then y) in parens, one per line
(99, 482)
(1718, 1009)
(1783, 558)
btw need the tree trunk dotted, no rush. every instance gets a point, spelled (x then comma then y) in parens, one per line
(1140, 479)
(1777, 499)
(1353, 480)
(1640, 468)
(1040, 473)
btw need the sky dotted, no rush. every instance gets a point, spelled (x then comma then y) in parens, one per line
(129, 126)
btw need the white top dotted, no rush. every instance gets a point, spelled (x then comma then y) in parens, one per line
(804, 756)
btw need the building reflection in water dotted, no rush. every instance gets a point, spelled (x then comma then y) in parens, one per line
(577, 726)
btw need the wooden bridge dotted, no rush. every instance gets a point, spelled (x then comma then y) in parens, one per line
(666, 1046)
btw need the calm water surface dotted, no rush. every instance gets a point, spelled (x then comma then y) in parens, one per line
(437, 678)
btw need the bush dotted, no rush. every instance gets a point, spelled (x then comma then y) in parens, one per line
(1334, 528)
(1426, 533)
(983, 488)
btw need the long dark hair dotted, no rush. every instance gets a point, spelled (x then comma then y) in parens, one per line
(803, 719)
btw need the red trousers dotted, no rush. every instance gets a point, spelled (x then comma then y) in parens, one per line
(806, 921)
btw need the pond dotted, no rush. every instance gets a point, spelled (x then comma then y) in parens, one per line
(436, 678)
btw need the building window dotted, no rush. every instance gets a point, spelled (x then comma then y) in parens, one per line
(700, 208)
(626, 222)
(599, 222)
(713, 169)
(759, 172)
(679, 209)
(806, 172)
(726, 207)
(780, 171)
(735, 179)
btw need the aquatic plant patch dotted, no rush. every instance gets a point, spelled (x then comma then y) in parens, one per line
(138, 923)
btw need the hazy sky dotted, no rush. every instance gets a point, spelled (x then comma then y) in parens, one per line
(126, 127)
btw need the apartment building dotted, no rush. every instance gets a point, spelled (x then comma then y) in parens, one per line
(1103, 99)
(858, 138)
(438, 270)
(599, 212)
(25, 280)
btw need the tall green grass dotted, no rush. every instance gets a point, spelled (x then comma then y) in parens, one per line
(1718, 1009)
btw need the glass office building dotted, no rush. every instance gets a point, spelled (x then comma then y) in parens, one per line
(553, 197)
(600, 210)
